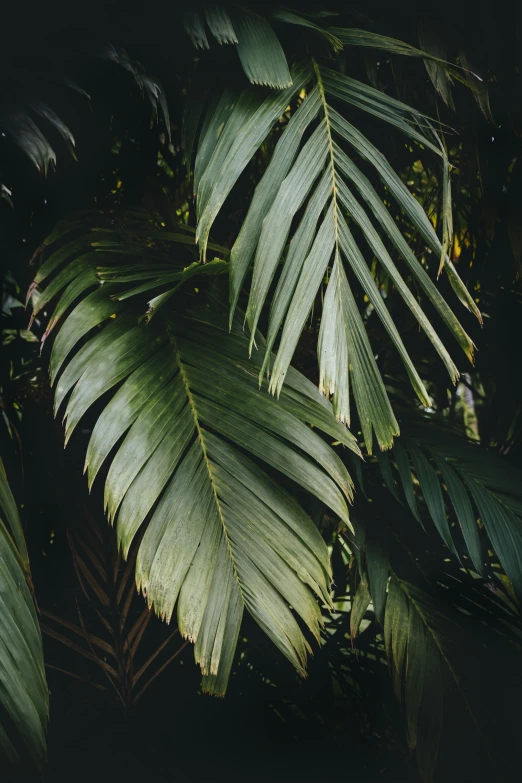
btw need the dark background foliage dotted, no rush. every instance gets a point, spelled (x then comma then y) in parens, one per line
(271, 725)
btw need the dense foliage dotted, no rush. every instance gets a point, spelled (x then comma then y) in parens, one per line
(274, 294)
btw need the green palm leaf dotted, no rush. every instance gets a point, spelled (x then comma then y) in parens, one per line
(463, 483)
(319, 177)
(416, 635)
(258, 47)
(27, 118)
(24, 698)
(352, 36)
(163, 262)
(290, 17)
(186, 411)
(422, 642)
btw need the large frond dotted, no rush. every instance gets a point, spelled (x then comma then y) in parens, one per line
(461, 481)
(416, 635)
(427, 642)
(312, 176)
(183, 433)
(24, 698)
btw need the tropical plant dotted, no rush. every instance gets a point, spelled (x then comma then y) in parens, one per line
(111, 627)
(248, 347)
(24, 698)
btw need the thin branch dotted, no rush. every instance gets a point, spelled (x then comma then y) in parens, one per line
(79, 631)
(140, 694)
(115, 653)
(96, 685)
(154, 655)
(76, 647)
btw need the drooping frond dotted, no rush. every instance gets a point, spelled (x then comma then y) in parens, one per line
(26, 117)
(22, 128)
(258, 47)
(99, 247)
(24, 698)
(302, 19)
(184, 432)
(462, 481)
(434, 55)
(354, 36)
(426, 645)
(150, 88)
(318, 180)
(416, 635)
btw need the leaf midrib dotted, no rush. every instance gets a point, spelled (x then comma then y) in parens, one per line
(440, 648)
(330, 151)
(201, 438)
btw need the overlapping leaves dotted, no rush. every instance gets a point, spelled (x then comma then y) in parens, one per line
(30, 121)
(223, 535)
(129, 248)
(415, 634)
(417, 639)
(24, 698)
(425, 640)
(302, 214)
(463, 485)
(421, 641)
(258, 47)
(112, 621)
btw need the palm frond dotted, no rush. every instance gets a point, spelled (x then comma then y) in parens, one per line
(27, 118)
(24, 698)
(258, 47)
(111, 630)
(378, 568)
(223, 535)
(425, 645)
(354, 36)
(416, 634)
(463, 483)
(320, 177)
(150, 88)
(301, 19)
(359, 607)
(489, 601)
(432, 51)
